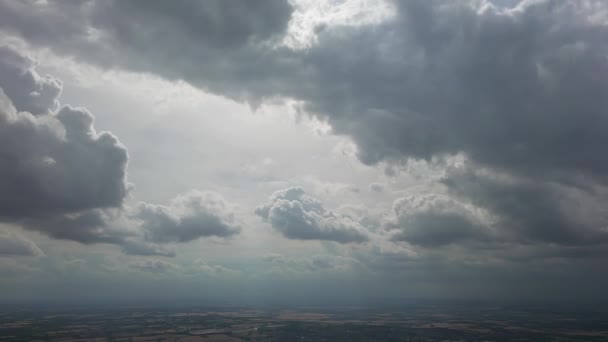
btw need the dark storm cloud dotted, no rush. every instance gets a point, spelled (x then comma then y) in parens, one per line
(188, 217)
(298, 216)
(529, 211)
(512, 89)
(436, 220)
(218, 23)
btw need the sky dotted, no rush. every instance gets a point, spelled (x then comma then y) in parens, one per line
(303, 151)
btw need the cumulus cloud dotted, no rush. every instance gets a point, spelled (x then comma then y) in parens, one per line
(298, 216)
(28, 91)
(13, 244)
(54, 163)
(188, 217)
(61, 177)
(434, 220)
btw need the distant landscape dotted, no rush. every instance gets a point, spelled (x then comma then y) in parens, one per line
(419, 323)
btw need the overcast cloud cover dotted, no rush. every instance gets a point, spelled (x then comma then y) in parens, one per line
(426, 148)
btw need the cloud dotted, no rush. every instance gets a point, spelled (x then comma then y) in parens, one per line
(434, 220)
(516, 90)
(187, 37)
(188, 217)
(28, 91)
(87, 227)
(154, 266)
(55, 163)
(436, 78)
(61, 177)
(532, 211)
(213, 270)
(519, 92)
(449, 77)
(298, 216)
(376, 187)
(217, 23)
(134, 247)
(143, 230)
(315, 263)
(13, 244)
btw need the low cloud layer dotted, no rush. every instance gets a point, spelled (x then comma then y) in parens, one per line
(13, 244)
(298, 216)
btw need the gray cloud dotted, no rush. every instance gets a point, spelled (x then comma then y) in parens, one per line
(376, 187)
(13, 244)
(218, 23)
(87, 227)
(55, 163)
(516, 90)
(201, 265)
(519, 92)
(154, 266)
(28, 91)
(437, 220)
(61, 177)
(188, 217)
(143, 230)
(134, 247)
(298, 216)
(225, 42)
(505, 77)
(530, 211)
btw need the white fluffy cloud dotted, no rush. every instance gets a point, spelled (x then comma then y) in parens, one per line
(298, 216)
(188, 217)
